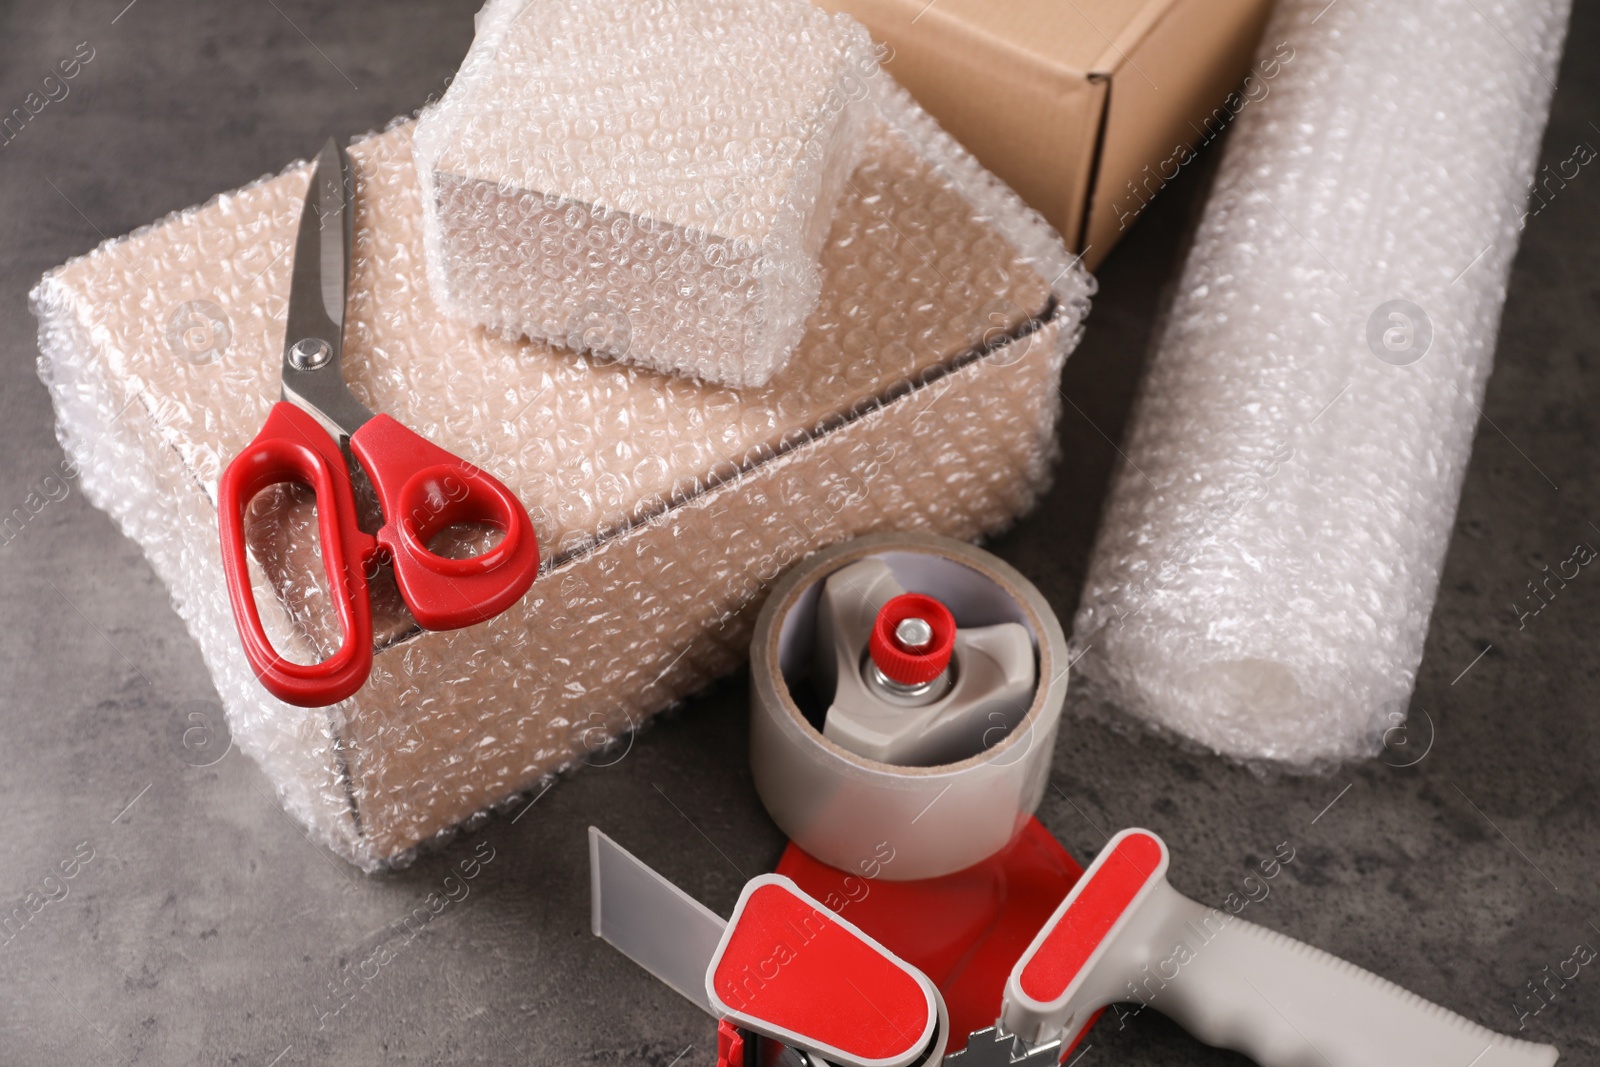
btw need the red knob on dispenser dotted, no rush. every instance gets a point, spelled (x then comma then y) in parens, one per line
(912, 639)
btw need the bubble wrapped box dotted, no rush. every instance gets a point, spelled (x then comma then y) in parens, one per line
(1271, 551)
(649, 180)
(923, 397)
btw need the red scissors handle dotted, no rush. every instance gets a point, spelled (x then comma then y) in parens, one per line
(423, 490)
(293, 447)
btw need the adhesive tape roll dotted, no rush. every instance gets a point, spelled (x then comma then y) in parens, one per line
(900, 822)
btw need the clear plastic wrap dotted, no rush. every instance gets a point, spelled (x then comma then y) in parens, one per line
(923, 395)
(1271, 551)
(648, 180)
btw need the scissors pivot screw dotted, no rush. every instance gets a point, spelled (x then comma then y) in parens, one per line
(310, 353)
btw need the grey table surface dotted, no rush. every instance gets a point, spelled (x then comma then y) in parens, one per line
(207, 928)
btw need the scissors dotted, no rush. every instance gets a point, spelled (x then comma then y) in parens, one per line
(314, 436)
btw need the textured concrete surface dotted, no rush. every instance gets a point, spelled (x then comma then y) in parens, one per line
(200, 926)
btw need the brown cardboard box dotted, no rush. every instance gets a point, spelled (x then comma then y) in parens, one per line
(923, 396)
(1085, 107)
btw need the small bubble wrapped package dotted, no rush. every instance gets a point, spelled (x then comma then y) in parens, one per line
(1270, 554)
(922, 395)
(650, 180)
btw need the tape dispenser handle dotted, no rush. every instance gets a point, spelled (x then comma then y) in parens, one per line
(1289, 1004)
(1124, 936)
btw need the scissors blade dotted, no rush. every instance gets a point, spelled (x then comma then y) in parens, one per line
(313, 376)
(322, 253)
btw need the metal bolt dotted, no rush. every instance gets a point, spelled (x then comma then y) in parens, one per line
(914, 634)
(310, 353)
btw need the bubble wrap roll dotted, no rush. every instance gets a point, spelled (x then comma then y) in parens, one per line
(649, 180)
(1269, 557)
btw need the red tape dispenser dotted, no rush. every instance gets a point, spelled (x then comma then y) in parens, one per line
(794, 985)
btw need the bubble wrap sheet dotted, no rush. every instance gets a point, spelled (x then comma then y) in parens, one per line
(923, 395)
(1271, 551)
(651, 180)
